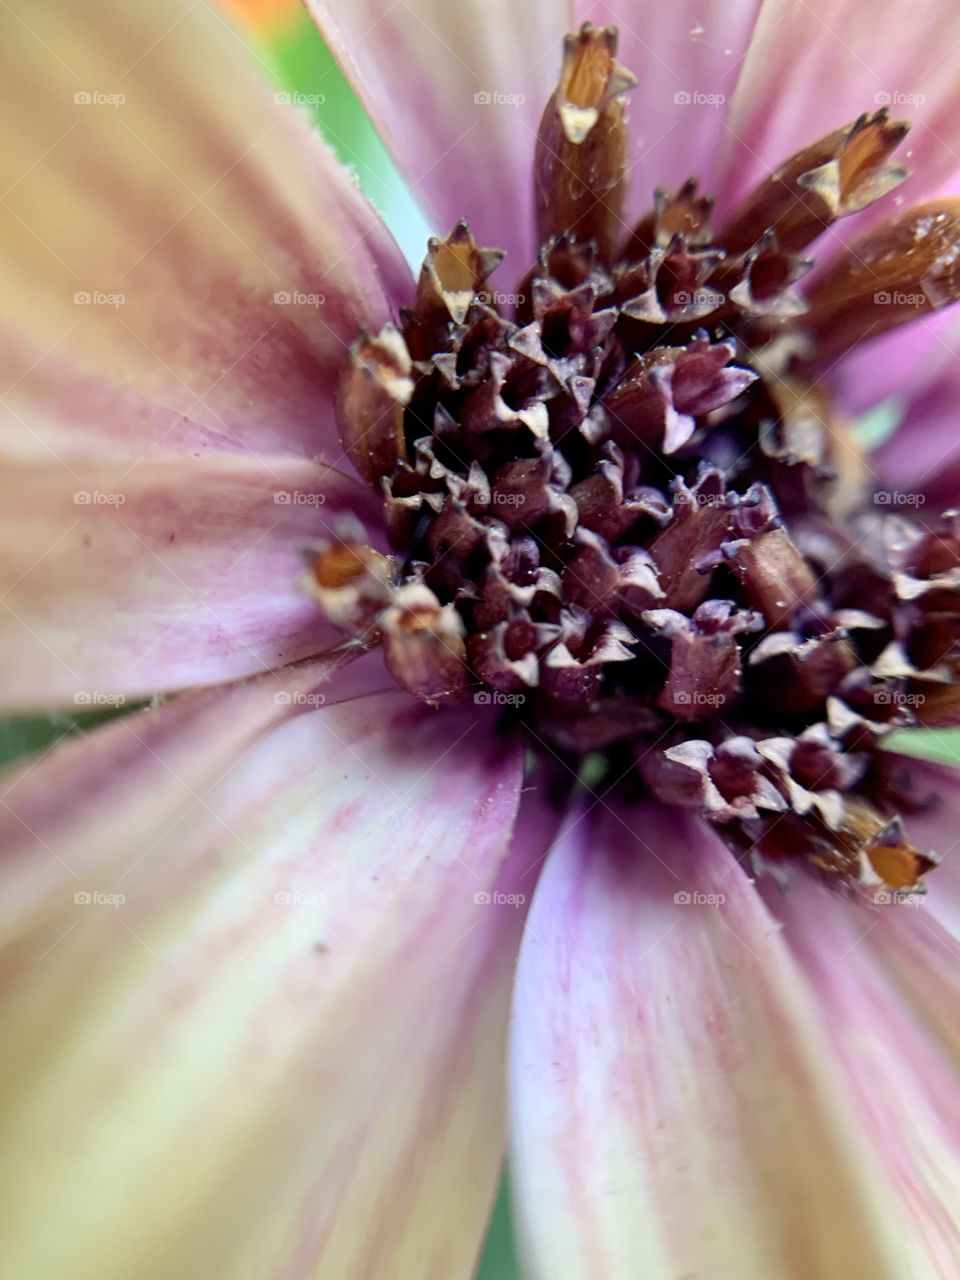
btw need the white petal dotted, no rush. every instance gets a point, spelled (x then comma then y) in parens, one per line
(280, 1054)
(675, 1110)
(182, 259)
(136, 578)
(902, 1088)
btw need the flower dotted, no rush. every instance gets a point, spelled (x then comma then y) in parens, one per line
(261, 939)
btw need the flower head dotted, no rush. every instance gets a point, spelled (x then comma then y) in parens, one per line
(260, 940)
(625, 501)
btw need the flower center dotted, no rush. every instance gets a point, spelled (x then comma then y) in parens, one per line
(623, 509)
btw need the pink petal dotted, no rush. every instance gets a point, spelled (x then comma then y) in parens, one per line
(902, 1087)
(924, 452)
(676, 1109)
(128, 579)
(419, 70)
(900, 364)
(285, 1050)
(149, 244)
(812, 67)
(921, 953)
(937, 826)
(60, 823)
(920, 945)
(687, 57)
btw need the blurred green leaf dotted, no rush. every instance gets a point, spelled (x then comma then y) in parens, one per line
(26, 735)
(305, 68)
(942, 745)
(499, 1260)
(879, 423)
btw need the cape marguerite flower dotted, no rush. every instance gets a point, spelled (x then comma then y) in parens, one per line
(647, 612)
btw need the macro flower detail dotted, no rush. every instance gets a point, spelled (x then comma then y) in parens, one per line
(503, 679)
(618, 495)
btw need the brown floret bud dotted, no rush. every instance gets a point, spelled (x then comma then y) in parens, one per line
(582, 143)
